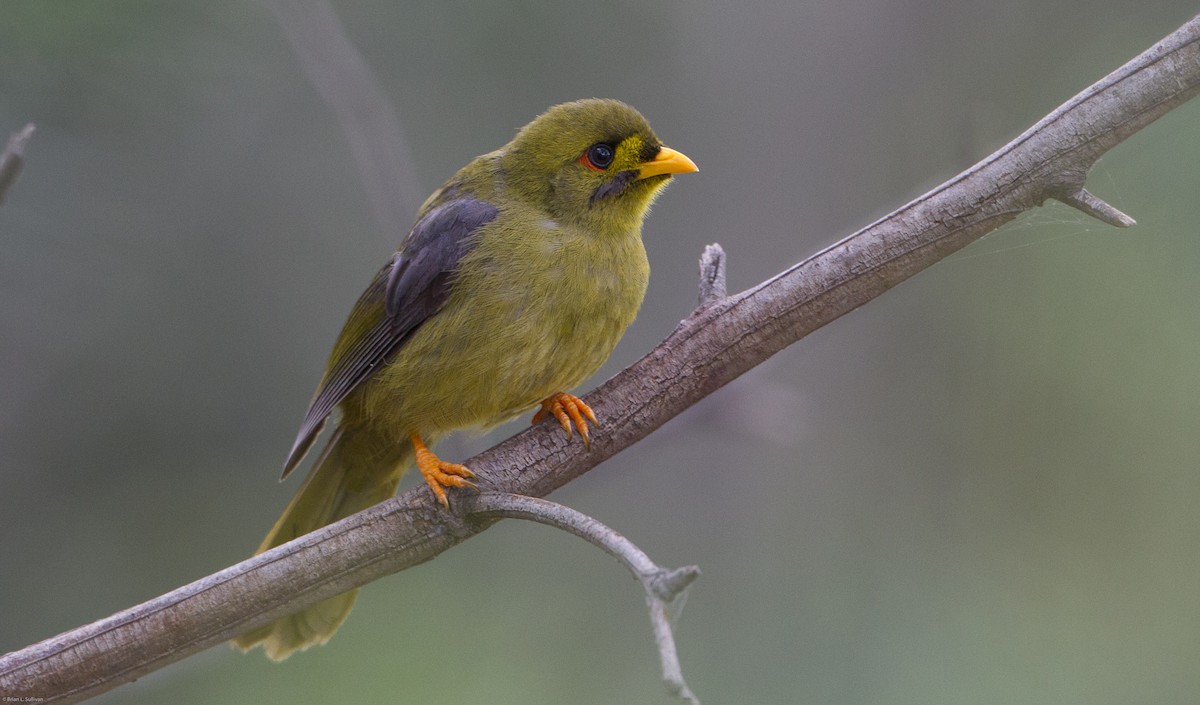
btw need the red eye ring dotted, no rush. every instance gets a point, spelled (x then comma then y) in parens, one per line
(583, 159)
(598, 157)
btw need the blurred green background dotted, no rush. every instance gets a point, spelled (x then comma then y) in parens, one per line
(979, 488)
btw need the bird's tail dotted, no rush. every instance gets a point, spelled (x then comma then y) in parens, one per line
(356, 470)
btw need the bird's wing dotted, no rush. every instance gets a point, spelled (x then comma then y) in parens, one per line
(403, 295)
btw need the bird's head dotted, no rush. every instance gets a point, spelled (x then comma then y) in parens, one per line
(594, 163)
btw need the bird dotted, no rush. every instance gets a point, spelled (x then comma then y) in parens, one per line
(522, 272)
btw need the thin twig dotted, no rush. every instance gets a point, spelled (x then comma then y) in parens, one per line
(707, 350)
(342, 77)
(712, 275)
(12, 160)
(1098, 209)
(663, 587)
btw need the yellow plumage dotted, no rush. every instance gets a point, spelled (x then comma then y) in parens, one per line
(521, 275)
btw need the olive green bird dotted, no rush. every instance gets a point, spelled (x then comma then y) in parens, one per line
(518, 279)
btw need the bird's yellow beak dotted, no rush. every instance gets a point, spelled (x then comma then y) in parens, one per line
(667, 161)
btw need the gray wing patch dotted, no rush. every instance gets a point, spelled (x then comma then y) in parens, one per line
(404, 294)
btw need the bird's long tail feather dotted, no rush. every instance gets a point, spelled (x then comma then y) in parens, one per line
(355, 471)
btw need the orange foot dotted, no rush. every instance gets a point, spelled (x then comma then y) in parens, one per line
(568, 409)
(438, 473)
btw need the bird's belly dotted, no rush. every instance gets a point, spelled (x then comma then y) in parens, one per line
(483, 363)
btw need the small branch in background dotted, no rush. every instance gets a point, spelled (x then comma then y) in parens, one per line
(342, 77)
(663, 587)
(13, 159)
(712, 275)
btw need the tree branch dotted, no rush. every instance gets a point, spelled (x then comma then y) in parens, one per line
(663, 587)
(714, 345)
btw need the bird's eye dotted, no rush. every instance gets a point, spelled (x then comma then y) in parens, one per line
(599, 156)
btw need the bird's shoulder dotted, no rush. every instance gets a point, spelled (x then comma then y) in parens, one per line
(479, 179)
(406, 292)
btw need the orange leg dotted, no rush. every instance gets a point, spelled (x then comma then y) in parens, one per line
(438, 473)
(568, 409)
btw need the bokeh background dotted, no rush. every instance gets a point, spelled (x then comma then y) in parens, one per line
(981, 487)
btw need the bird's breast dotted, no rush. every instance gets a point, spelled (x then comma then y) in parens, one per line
(528, 316)
(570, 306)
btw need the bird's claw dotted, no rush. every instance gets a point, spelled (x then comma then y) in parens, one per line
(570, 411)
(440, 474)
